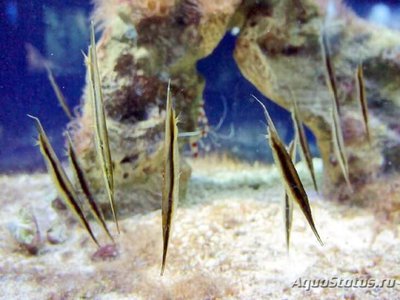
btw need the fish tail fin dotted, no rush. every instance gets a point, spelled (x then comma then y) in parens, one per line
(112, 204)
(317, 236)
(368, 134)
(85, 224)
(314, 180)
(100, 219)
(94, 238)
(164, 257)
(166, 233)
(115, 218)
(98, 215)
(314, 229)
(162, 267)
(310, 221)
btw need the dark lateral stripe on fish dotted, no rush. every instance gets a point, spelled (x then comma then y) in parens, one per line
(293, 182)
(291, 179)
(338, 143)
(337, 130)
(362, 98)
(102, 142)
(288, 173)
(70, 198)
(59, 94)
(170, 196)
(61, 178)
(171, 176)
(330, 75)
(304, 147)
(288, 219)
(288, 201)
(339, 147)
(86, 190)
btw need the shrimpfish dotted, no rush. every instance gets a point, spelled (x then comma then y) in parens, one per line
(101, 133)
(63, 184)
(291, 180)
(304, 147)
(362, 98)
(84, 185)
(288, 204)
(170, 189)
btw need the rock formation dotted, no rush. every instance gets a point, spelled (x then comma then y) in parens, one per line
(144, 43)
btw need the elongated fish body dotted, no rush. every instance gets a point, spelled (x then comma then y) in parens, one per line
(59, 94)
(338, 145)
(101, 133)
(288, 208)
(291, 180)
(170, 192)
(60, 179)
(304, 147)
(337, 134)
(329, 71)
(362, 98)
(83, 183)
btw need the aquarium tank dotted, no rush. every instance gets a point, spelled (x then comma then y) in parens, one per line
(200, 149)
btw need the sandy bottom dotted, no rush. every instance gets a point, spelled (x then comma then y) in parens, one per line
(231, 246)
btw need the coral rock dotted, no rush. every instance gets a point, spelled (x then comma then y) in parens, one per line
(145, 43)
(279, 48)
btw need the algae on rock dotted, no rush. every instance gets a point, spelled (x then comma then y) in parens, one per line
(142, 46)
(144, 43)
(280, 51)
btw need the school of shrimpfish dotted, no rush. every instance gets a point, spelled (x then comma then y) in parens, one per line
(284, 157)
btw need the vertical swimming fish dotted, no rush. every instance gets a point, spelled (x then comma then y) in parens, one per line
(84, 185)
(291, 180)
(60, 179)
(101, 135)
(59, 94)
(337, 134)
(170, 191)
(288, 204)
(362, 98)
(329, 72)
(304, 147)
(338, 145)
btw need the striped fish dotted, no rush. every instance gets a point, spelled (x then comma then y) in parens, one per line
(338, 145)
(337, 134)
(329, 71)
(59, 94)
(304, 147)
(288, 204)
(84, 185)
(101, 136)
(291, 180)
(362, 98)
(170, 190)
(60, 179)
